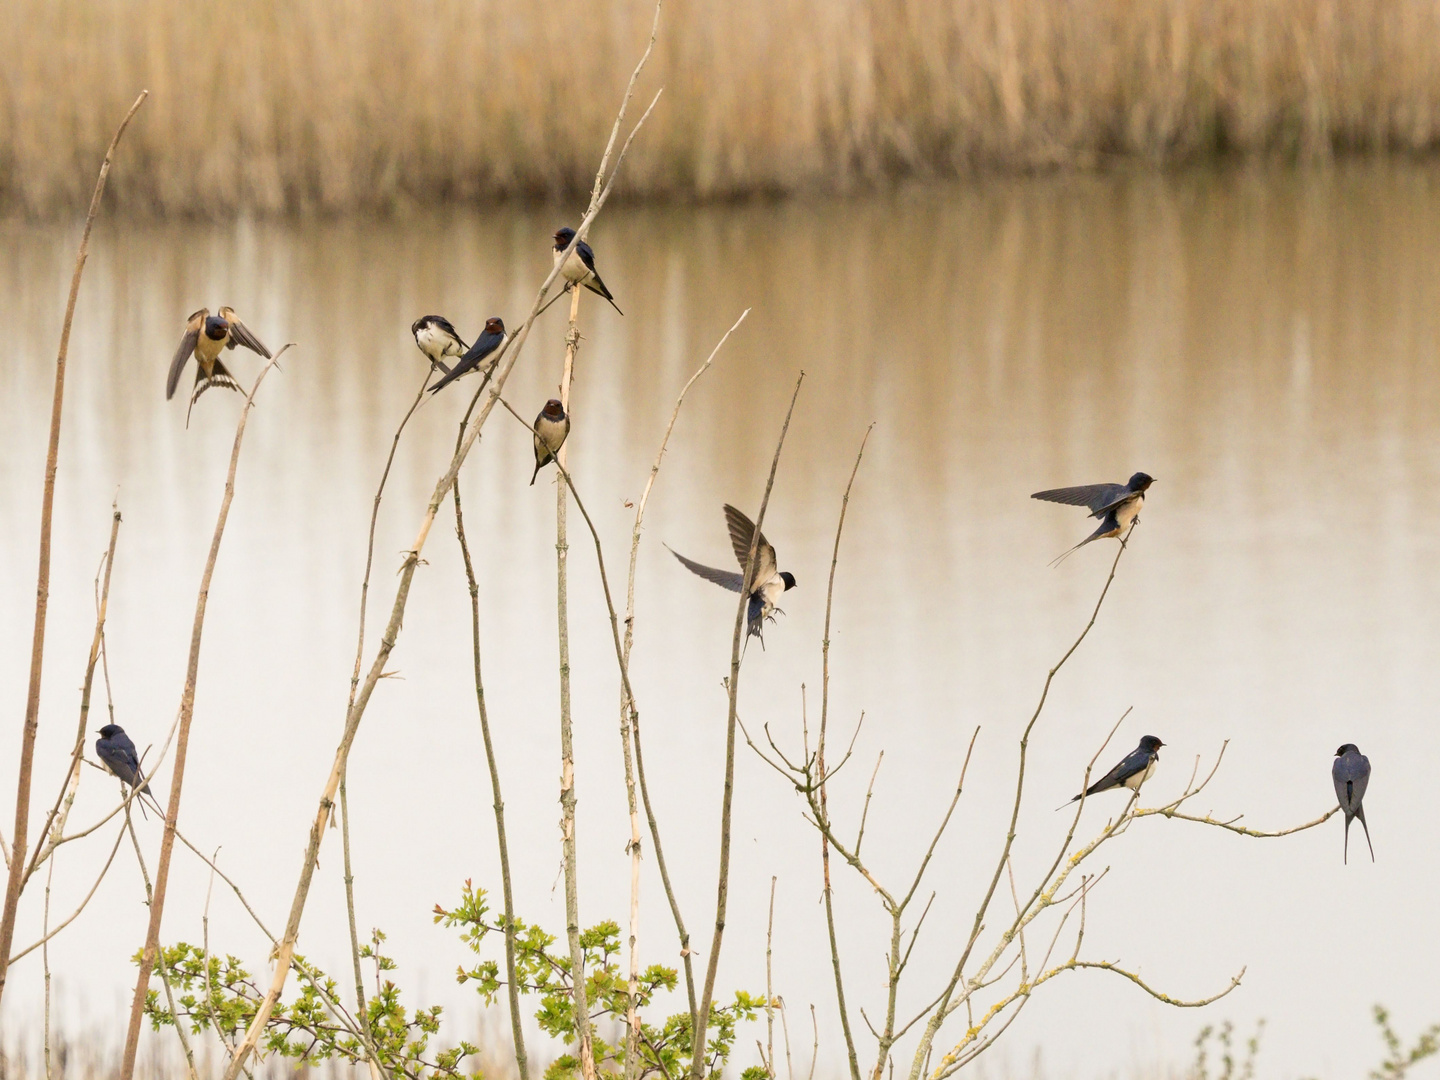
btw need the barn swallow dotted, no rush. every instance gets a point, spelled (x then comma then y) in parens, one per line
(1351, 773)
(475, 356)
(1116, 505)
(117, 753)
(437, 339)
(579, 268)
(552, 428)
(769, 582)
(1134, 769)
(205, 336)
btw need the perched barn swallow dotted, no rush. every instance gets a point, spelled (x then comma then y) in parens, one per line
(117, 753)
(1351, 773)
(1134, 769)
(475, 356)
(769, 582)
(579, 268)
(552, 428)
(1116, 505)
(205, 336)
(437, 339)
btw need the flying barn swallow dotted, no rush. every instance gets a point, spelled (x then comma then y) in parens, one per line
(1134, 769)
(1351, 773)
(205, 337)
(552, 428)
(769, 581)
(579, 268)
(475, 356)
(437, 339)
(1116, 505)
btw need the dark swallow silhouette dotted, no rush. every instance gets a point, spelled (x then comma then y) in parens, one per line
(206, 336)
(579, 268)
(1351, 773)
(552, 428)
(437, 339)
(1116, 505)
(117, 753)
(1134, 769)
(475, 357)
(768, 582)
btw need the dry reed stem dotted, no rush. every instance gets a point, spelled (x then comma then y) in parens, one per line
(360, 1006)
(702, 1017)
(187, 713)
(164, 974)
(59, 814)
(769, 986)
(45, 957)
(506, 359)
(633, 713)
(15, 881)
(512, 986)
(567, 751)
(822, 810)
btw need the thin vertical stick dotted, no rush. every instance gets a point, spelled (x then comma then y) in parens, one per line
(820, 765)
(512, 985)
(182, 745)
(160, 963)
(362, 1011)
(45, 959)
(567, 751)
(42, 576)
(769, 991)
(634, 715)
(697, 1063)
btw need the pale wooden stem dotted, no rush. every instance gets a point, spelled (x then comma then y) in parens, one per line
(187, 713)
(15, 881)
(722, 891)
(512, 984)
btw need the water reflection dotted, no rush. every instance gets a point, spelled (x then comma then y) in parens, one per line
(1264, 343)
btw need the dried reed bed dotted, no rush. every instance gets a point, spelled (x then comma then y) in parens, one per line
(331, 106)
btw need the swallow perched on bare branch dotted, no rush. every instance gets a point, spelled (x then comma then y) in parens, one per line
(768, 582)
(117, 753)
(1116, 505)
(437, 339)
(552, 428)
(579, 268)
(1351, 773)
(1134, 769)
(206, 336)
(475, 357)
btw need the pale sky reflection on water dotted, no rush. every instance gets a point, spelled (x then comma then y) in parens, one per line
(1263, 342)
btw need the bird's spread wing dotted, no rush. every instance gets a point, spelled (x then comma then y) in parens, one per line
(240, 335)
(182, 354)
(1098, 497)
(741, 531)
(726, 579)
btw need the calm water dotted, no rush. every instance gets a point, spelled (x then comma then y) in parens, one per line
(1264, 343)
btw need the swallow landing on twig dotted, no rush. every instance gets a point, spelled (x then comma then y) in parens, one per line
(206, 336)
(437, 339)
(552, 428)
(579, 268)
(1351, 773)
(1116, 505)
(476, 356)
(769, 581)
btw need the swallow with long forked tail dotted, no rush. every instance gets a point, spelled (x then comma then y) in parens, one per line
(476, 356)
(1116, 505)
(552, 428)
(1351, 773)
(437, 339)
(769, 582)
(579, 268)
(206, 336)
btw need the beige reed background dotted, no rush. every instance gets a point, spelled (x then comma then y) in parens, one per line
(328, 105)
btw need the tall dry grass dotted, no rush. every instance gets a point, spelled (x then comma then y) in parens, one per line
(333, 105)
